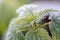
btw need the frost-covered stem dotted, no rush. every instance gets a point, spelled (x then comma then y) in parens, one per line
(44, 25)
(40, 26)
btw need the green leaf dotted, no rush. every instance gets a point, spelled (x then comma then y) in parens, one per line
(55, 27)
(22, 23)
(15, 35)
(40, 34)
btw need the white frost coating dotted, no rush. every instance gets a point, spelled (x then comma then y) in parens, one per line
(22, 11)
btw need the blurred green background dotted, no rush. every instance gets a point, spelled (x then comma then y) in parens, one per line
(8, 11)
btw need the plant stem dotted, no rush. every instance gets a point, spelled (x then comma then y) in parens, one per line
(43, 25)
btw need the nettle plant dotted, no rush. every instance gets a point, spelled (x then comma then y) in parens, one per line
(32, 23)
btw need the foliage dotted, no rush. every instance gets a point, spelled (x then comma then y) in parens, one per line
(31, 27)
(55, 27)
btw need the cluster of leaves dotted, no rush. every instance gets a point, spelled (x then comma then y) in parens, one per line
(31, 27)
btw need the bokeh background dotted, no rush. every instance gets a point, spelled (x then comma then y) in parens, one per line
(8, 10)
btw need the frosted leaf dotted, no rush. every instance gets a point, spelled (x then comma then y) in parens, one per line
(14, 35)
(40, 34)
(31, 8)
(55, 26)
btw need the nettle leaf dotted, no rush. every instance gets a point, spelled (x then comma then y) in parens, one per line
(40, 34)
(14, 35)
(24, 22)
(55, 27)
(25, 28)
